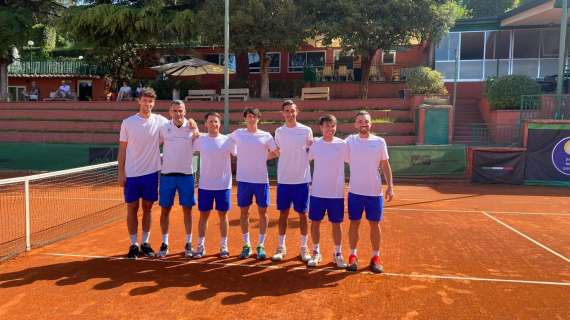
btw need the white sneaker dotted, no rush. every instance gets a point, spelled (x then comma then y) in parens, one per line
(315, 259)
(163, 251)
(199, 253)
(305, 256)
(279, 254)
(188, 250)
(339, 261)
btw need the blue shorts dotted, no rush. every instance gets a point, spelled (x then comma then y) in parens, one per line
(145, 187)
(297, 194)
(333, 206)
(206, 199)
(246, 191)
(184, 184)
(372, 205)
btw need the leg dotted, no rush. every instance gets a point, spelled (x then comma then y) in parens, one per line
(146, 219)
(203, 223)
(337, 234)
(283, 217)
(132, 219)
(263, 221)
(316, 232)
(353, 234)
(375, 235)
(164, 219)
(187, 220)
(244, 220)
(224, 224)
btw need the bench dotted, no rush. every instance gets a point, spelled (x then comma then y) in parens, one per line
(201, 95)
(241, 93)
(315, 93)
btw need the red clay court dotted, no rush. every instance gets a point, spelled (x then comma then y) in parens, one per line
(450, 251)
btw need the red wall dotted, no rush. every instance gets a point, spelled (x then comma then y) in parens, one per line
(48, 85)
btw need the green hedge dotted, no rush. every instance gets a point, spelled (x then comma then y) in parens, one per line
(505, 92)
(425, 81)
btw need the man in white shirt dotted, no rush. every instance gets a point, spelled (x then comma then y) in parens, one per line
(125, 92)
(177, 174)
(329, 154)
(254, 148)
(139, 163)
(293, 176)
(64, 90)
(215, 181)
(366, 153)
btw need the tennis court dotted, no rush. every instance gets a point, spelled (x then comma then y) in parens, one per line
(450, 251)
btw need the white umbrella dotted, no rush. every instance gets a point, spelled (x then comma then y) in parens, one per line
(191, 67)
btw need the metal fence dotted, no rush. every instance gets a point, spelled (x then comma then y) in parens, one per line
(544, 107)
(54, 67)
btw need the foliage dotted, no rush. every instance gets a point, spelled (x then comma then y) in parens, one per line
(505, 92)
(256, 25)
(425, 81)
(369, 25)
(286, 88)
(488, 8)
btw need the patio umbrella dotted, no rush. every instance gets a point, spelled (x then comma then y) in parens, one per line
(190, 67)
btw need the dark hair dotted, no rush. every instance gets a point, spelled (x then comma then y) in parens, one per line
(148, 92)
(177, 103)
(327, 118)
(287, 102)
(212, 113)
(362, 113)
(253, 111)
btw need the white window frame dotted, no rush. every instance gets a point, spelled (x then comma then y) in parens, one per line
(17, 95)
(259, 69)
(305, 52)
(389, 52)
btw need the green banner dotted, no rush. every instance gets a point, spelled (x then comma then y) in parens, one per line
(428, 161)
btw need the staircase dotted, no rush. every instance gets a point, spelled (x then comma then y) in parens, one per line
(469, 123)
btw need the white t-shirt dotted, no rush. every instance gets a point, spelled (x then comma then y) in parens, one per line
(142, 137)
(177, 148)
(293, 165)
(215, 161)
(328, 173)
(364, 156)
(125, 89)
(252, 151)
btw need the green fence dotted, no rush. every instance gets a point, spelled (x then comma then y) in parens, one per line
(545, 106)
(54, 67)
(428, 161)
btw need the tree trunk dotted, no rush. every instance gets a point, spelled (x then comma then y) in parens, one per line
(431, 54)
(264, 73)
(363, 87)
(3, 79)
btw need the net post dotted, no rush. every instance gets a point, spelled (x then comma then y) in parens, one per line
(27, 212)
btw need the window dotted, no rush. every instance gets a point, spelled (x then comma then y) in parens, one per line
(498, 45)
(550, 44)
(345, 58)
(310, 59)
(472, 45)
(447, 48)
(389, 57)
(274, 62)
(16, 93)
(219, 59)
(526, 44)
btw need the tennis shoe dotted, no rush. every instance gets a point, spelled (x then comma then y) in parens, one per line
(147, 250)
(375, 265)
(199, 253)
(315, 259)
(245, 252)
(352, 263)
(261, 255)
(304, 254)
(279, 254)
(133, 252)
(224, 253)
(163, 251)
(339, 261)
(188, 250)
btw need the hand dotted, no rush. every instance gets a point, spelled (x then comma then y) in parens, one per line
(192, 124)
(195, 135)
(122, 179)
(389, 194)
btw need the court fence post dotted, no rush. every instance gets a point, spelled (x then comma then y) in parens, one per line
(27, 211)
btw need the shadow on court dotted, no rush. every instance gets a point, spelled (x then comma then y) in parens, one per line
(205, 281)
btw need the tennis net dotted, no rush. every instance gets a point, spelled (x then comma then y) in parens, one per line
(40, 209)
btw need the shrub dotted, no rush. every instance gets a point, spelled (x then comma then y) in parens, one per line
(425, 81)
(286, 88)
(505, 92)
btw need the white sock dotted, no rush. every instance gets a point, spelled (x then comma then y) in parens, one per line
(304, 241)
(282, 241)
(246, 240)
(201, 241)
(145, 237)
(188, 238)
(261, 241)
(165, 238)
(224, 242)
(337, 249)
(316, 247)
(353, 251)
(375, 253)
(134, 241)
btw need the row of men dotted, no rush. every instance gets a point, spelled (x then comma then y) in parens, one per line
(293, 145)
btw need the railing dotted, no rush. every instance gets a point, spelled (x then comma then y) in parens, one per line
(545, 107)
(332, 72)
(54, 67)
(483, 134)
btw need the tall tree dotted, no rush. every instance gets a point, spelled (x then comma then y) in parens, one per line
(488, 8)
(115, 32)
(17, 19)
(256, 25)
(367, 26)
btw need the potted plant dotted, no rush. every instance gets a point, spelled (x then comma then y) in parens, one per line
(426, 86)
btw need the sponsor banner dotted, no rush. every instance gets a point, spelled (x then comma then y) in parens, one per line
(548, 157)
(498, 167)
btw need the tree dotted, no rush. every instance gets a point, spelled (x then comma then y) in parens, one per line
(488, 8)
(17, 21)
(256, 25)
(115, 33)
(367, 26)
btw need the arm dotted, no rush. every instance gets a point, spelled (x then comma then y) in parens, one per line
(273, 154)
(121, 159)
(387, 170)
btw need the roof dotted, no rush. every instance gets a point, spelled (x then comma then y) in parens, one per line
(54, 69)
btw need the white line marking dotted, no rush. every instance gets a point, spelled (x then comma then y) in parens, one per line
(179, 263)
(479, 211)
(527, 237)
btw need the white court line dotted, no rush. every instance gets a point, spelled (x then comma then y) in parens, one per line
(329, 269)
(527, 237)
(479, 211)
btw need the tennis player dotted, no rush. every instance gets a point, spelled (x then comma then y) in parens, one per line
(366, 154)
(293, 176)
(139, 163)
(215, 181)
(254, 148)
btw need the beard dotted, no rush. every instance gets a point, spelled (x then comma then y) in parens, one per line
(363, 130)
